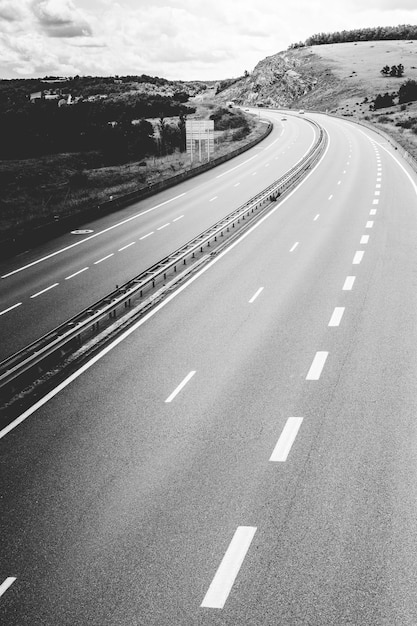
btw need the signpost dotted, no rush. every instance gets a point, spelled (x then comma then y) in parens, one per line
(200, 138)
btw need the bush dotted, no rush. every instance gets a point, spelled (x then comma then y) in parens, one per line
(407, 92)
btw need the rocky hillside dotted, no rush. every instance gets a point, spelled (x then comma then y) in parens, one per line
(332, 77)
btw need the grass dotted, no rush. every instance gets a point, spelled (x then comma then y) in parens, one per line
(35, 191)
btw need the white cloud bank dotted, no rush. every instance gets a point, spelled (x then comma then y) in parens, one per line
(177, 39)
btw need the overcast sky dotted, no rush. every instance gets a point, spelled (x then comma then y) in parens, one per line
(175, 39)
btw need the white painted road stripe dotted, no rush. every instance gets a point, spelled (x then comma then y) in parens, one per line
(76, 273)
(240, 165)
(35, 295)
(180, 217)
(358, 257)
(101, 232)
(364, 239)
(287, 438)
(348, 283)
(294, 246)
(148, 235)
(337, 316)
(164, 226)
(211, 200)
(10, 308)
(331, 196)
(236, 184)
(225, 576)
(376, 201)
(56, 390)
(255, 295)
(6, 584)
(317, 365)
(369, 224)
(317, 217)
(373, 211)
(128, 246)
(180, 386)
(103, 259)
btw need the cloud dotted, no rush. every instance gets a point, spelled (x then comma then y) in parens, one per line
(9, 11)
(60, 18)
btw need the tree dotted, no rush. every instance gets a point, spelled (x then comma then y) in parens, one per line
(400, 70)
(385, 70)
(407, 92)
(381, 102)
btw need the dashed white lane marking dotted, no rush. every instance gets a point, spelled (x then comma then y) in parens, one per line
(266, 164)
(212, 199)
(76, 273)
(148, 235)
(369, 224)
(14, 306)
(294, 246)
(104, 258)
(317, 217)
(236, 185)
(358, 257)
(348, 284)
(372, 212)
(180, 386)
(317, 365)
(35, 295)
(181, 216)
(255, 295)
(51, 394)
(337, 315)
(240, 165)
(338, 182)
(132, 243)
(378, 179)
(376, 201)
(364, 239)
(286, 440)
(164, 226)
(254, 173)
(6, 584)
(378, 186)
(101, 232)
(331, 196)
(377, 193)
(229, 567)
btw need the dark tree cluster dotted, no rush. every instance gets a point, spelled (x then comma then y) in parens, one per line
(395, 70)
(378, 33)
(115, 127)
(381, 102)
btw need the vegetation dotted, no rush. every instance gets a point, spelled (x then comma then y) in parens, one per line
(407, 92)
(394, 70)
(403, 31)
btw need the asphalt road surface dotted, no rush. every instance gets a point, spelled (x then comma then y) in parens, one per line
(246, 454)
(48, 285)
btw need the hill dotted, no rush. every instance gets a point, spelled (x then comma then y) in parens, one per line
(327, 77)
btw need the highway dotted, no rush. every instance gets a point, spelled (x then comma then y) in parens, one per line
(246, 453)
(47, 285)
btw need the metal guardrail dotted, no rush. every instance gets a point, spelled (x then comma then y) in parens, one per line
(18, 370)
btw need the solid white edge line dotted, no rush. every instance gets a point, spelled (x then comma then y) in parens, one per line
(358, 257)
(35, 295)
(229, 567)
(76, 273)
(51, 394)
(10, 308)
(103, 259)
(348, 284)
(128, 246)
(6, 584)
(286, 440)
(337, 315)
(101, 232)
(255, 295)
(180, 386)
(255, 156)
(317, 365)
